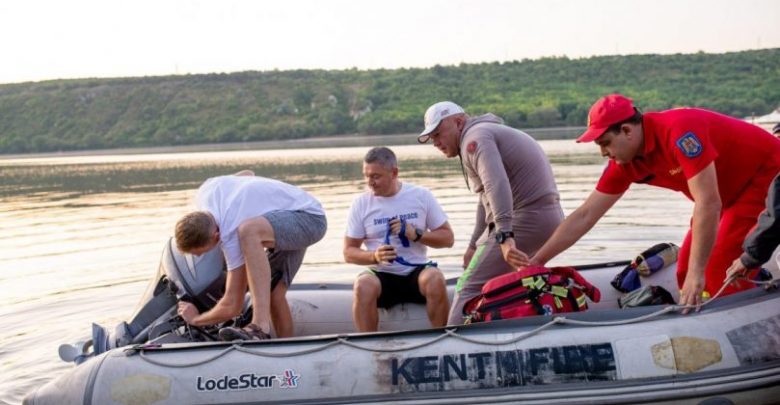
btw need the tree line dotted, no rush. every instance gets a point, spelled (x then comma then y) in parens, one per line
(78, 114)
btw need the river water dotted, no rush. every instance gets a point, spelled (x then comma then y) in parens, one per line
(81, 235)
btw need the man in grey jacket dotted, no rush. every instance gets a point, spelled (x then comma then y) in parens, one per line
(519, 205)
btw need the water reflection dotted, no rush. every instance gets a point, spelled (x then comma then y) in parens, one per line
(63, 177)
(63, 181)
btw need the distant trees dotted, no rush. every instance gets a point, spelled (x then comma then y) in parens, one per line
(251, 106)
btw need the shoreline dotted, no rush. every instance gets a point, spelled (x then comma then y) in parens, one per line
(551, 133)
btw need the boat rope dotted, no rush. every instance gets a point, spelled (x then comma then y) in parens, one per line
(239, 347)
(556, 320)
(447, 333)
(142, 353)
(671, 308)
(344, 341)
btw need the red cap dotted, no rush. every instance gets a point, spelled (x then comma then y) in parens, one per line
(607, 111)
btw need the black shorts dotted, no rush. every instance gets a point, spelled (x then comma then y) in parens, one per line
(399, 289)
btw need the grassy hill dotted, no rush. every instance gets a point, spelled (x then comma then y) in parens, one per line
(250, 106)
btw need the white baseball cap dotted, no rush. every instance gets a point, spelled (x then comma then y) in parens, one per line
(435, 114)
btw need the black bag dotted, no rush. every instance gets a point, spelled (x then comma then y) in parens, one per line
(647, 295)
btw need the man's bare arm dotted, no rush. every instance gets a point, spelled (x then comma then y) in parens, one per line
(230, 305)
(355, 255)
(706, 216)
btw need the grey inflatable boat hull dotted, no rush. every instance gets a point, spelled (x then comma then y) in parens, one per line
(728, 353)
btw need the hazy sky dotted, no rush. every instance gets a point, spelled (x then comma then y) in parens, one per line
(50, 39)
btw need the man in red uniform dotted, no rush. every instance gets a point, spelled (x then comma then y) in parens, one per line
(723, 164)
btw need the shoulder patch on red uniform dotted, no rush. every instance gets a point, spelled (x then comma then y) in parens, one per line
(690, 145)
(472, 147)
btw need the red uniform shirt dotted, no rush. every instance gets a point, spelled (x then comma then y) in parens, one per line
(680, 143)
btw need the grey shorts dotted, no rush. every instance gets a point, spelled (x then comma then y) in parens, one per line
(294, 231)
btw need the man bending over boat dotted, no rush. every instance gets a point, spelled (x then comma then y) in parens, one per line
(396, 221)
(519, 206)
(723, 164)
(263, 227)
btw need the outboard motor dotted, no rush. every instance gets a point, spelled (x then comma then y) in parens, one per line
(196, 279)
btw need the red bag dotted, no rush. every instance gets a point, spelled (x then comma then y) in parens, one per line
(535, 290)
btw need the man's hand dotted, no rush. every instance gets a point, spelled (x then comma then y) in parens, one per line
(395, 229)
(535, 261)
(187, 311)
(737, 269)
(512, 255)
(384, 253)
(691, 292)
(467, 256)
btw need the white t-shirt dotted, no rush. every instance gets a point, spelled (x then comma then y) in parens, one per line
(369, 215)
(234, 199)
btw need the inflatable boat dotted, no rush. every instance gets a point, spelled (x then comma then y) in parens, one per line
(729, 352)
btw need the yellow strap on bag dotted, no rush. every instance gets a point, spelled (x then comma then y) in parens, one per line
(559, 291)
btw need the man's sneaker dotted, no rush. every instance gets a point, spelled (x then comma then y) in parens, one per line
(249, 332)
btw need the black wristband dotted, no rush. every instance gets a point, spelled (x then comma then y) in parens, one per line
(502, 236)
(419, 235)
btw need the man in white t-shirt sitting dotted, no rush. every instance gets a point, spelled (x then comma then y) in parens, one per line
(395, 221)
(245, 215)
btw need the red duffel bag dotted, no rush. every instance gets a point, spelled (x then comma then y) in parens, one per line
(535, 290)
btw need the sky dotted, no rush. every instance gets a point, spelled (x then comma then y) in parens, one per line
(60, 39)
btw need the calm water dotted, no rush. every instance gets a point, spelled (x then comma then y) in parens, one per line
(80, 236)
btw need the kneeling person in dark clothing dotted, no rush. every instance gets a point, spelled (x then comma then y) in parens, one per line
(396, 222)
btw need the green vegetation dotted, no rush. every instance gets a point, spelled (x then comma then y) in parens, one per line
(252, 106)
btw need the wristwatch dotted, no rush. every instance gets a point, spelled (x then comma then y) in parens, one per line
(502, 236)
(419, 233)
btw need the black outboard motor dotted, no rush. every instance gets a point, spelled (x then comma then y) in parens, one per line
(196, 279)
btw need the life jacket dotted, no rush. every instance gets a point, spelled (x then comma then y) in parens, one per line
(535, 290)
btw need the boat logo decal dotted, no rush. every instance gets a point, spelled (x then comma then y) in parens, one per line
(289, 379)
(247, 381)
(543, 365)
